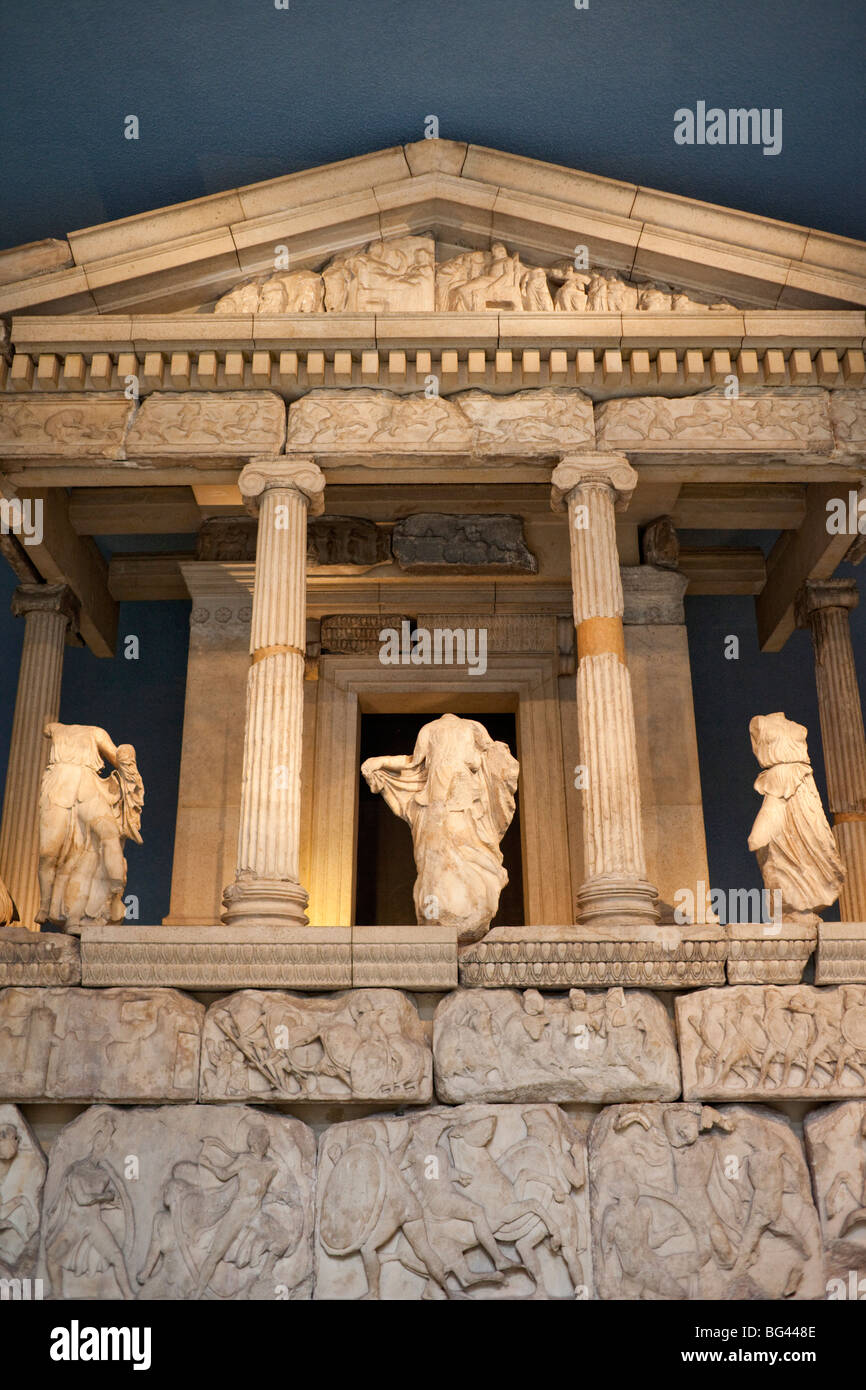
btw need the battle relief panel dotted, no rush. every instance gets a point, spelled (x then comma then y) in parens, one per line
(111, 1044)
(773, 1042)
(22, 1178)
(366, 1044)
(510, 1045)
(470, 424)
(179, 1202)
(402, 275)
(488, 1201)
(694, 1203)
(836, 1145)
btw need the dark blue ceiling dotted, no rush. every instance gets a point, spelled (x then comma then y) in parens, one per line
(231, 91)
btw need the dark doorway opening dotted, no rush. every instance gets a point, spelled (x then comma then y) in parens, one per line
(386, 866)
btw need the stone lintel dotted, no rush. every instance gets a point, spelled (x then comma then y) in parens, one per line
(652, 596)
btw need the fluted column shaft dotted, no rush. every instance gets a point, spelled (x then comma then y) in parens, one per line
(266, 887)
(615, 892)
(47, 610)
(824, 606)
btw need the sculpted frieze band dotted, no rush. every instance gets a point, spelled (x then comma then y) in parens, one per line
(401, 275)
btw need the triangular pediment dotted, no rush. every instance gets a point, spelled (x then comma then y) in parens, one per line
(182, 259)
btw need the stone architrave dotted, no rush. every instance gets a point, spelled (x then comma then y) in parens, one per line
(501, 1045)
(433, 542)
(692, 1203)
(81, 426)
(768, 423)
(210, 423)
(469, 425)
(836, 1148)
(773, 1042)
(122, 1045)
(477, 1201)
(367, 1044)
(49, 612)
(456, 791)
(266, 889)
(345, 545)
(182, 1202)
(38, 958)
(22, 1178)
(824, 607)
(226, 538)
(615, 894)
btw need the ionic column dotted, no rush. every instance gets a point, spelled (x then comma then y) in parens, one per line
(48, 611)
(615, 892)
(823, 606)
(266, 890)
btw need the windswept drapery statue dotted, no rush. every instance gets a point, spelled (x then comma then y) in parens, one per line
(8, 910)
(456, 791)
(84, 820)
(791, 837)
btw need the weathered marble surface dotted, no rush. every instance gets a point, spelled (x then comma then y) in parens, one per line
(91, 425)
(433, 542)
(367, 1044)
(113, 1044)
(84, 823)
(180, 1202)
(456, 791)
(345, 545)
(208, 422)
(749, 423)
(694, 1203)
(791, 837)
(211, 957)
(502, 1045)
(481, 1202)
(559, 957)
(836, 1148)
(466, 425)
(38, 958)
(764, 953)
(773, 1042)
(400, 274)
(841, 955)
(22, 1177)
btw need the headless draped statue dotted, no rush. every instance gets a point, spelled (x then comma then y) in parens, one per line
(84, 820)
(794, 844)
(456, 791)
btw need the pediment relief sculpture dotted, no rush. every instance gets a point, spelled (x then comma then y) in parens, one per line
(402, 275)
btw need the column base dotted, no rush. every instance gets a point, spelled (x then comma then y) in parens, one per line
(609, 900)
(262, 902)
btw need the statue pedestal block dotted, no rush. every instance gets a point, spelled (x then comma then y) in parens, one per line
(405, 957)
(38, 958)
(659, 957)
(762, 953)
(841, 955)
(300, 958)
(218, 957)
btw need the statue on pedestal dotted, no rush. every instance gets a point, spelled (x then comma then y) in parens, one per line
(794, 844)
(84, 820)
(456, 791)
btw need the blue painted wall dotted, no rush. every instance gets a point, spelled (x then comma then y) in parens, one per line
(234, 91)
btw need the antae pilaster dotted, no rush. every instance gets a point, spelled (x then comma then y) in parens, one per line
(824, 606)
(615, 892)
(48, 611)
(266, 890)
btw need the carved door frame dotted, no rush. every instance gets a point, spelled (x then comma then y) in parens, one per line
(525, 685)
